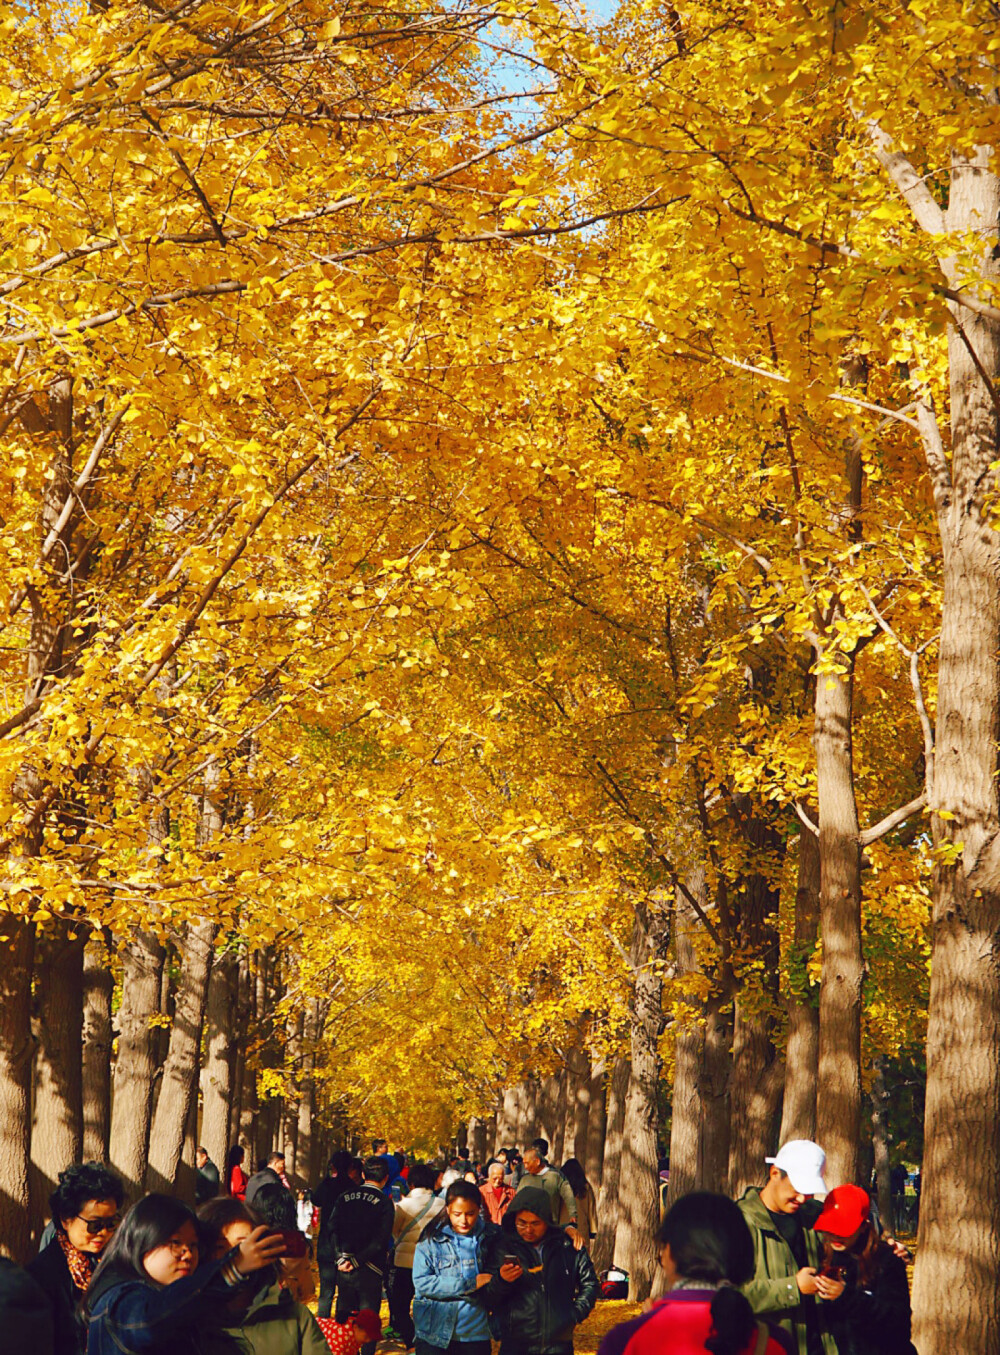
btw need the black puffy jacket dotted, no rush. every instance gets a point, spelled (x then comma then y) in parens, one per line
(536, 1314)
(873, 1319)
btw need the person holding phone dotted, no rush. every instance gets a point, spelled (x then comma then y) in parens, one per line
(862, 1279)
(155, 1292)
(449, 1270)
(541, 1285)
(260, 1317)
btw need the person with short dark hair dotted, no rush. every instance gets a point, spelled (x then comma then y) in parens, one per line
(541, 1147)
(269, 1173)
(541, 1286)
(85, 1208)
(206, 1186)
(358, 1237)
(414, 1215)
(151, 1293)
(705, 1250)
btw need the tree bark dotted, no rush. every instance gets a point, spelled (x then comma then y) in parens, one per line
(798, 1118)
(577, 1105)
(609, 1204)
(757, 1070)
(98, 988)
(880, 1144)
(507, 1119)
(135, 1064)
(220, 1026)
(57, 1121)
(640, 1203)
(180, 1072)
(596, 1126)
(17, 946)
(838, 1091)
(955, 1296)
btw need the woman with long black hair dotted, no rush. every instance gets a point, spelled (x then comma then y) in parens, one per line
(152, 1290)
(705, 1250)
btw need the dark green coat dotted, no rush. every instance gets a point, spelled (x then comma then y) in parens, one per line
(773, 1291)
(274, 1324)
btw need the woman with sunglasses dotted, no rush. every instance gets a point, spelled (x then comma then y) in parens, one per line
(153, 1295)
(85, 1209)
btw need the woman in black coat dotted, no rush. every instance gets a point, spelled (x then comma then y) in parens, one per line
(862, 1282)
(86, 1207)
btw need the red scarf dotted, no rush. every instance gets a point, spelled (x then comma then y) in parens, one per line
(81, 1264)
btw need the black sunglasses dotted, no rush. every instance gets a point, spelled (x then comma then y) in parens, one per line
(105, 1225)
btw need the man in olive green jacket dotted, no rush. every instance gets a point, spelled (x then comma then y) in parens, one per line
(786, 1254)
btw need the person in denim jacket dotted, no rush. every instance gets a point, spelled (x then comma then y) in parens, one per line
(448, 1272)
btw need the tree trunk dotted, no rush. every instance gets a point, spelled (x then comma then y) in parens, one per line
(98, 988)
(17, 945)
(956, 1297)
(135, 1065)
(477, 1139)
(798, 1118)
(609, 1204)
(757, 1071)
(550, 1110)
(180, 1072)
(57, 1121)
(304, 1149)
(699, 1133)
(640, 1202)
(220, 1026)
(577, 1105)
(507, 1119)
(838, 1090)
(596, 1126)
(880, 1144)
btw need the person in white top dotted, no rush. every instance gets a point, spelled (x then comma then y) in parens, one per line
(413, 1214)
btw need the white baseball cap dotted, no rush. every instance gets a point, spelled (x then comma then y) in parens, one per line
(803, 1162)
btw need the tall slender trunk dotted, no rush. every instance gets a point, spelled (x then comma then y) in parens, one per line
(798, 1118)
(57, 1121)
(98, 989)
(577, 1104)
(560, 1094)
(17, 946)
(757, 1071)
(135, 1064)
(550, 1111)
(609, 1202)
(507, 1119)
(880, 1144)
(596, 1125)
(180, 1071)
(640, 1203)
(956, 1298)
(838, 1092)
(220, 1028)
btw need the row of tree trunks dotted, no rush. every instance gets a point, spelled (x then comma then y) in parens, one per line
(608, 1203)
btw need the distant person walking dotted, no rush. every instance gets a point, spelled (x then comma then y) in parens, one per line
(414, 1215)
(206, 1185)
(496, 1195)
(562, 1201)
(586, 1201)
(236, 1177)
(359, 1234)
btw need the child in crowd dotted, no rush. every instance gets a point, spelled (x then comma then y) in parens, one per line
(347, 1338)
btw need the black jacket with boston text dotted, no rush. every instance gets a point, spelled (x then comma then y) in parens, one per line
(359, 1225)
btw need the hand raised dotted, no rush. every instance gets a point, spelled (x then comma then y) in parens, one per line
(806, 1280)
(259, 1249)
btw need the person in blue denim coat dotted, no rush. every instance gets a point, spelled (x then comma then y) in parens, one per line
(448, 1273)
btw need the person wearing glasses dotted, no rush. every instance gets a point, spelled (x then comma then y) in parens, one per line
(86, 1208)
(156, 1290)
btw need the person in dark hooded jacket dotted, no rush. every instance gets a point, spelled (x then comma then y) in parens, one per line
(541, 1286)
(25, 1313)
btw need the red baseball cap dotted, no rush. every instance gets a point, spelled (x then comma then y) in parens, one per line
(845, 1210)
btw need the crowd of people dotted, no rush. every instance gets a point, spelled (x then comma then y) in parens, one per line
(465, 1253)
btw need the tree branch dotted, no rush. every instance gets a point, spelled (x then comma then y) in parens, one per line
(927, 214)
(893, 820)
